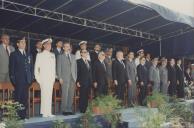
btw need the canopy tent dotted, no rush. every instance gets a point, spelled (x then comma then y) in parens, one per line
(107, 21)
(179, 11)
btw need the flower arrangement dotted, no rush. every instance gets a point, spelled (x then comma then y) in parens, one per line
(10, 118)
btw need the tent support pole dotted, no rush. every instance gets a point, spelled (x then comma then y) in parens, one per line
(28, 42)
(160, 48)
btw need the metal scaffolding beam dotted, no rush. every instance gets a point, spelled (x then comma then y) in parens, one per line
(177, 33)
(61, 17)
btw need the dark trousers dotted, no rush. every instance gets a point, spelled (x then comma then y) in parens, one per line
(84, 95)
(180, 90)
(172, 89)
(21, 96)
(102, 89)
(120, 89)
(142, 94)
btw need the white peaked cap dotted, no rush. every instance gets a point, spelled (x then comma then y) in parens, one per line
(83, 42)
(47, 40)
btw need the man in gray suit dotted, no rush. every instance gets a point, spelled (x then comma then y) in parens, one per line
(132, 74)
(5, 51)
(67, 75)
(164, 76)
(154, 75)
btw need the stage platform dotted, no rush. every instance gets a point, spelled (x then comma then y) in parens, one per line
(40, 122)
(130, 118)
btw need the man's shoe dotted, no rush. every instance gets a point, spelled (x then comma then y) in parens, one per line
(71, 113)
(65, 113)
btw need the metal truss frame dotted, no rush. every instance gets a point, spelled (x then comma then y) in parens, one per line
(61, 17)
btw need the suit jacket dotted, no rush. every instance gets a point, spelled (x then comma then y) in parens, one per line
(154, 74)
(163, 75)
(108, 63)
(56, 52)
(93, 56)
(172, 75)
(180, 75)
(20, 68)
(84, 75)
(99, 73)
(131, 70)
(119, 72)
(65, 69)
(148, 64)
(4, 59)
(142, 73)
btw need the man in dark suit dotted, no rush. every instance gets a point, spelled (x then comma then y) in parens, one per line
(172, 78)
(180, 79)
(148, 62)
(38, 49)
(59, 49)
(21, 74)
(84, 79)
(143, 77)
(119, 74)
(99, 75)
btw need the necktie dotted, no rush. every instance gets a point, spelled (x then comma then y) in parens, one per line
(24, 53)
(87, 64)
(122, 63)
(104, 65)
(6, 48)
(69, 58)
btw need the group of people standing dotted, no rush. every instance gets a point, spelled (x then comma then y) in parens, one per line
(95, 70)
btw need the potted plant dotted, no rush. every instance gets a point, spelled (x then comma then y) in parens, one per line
(105, 104)
(103, 107)
(156, 99)
(10, 117)
(60, 124)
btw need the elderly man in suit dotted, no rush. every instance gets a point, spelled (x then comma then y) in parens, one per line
(154, 75)
(67, 74)
(21, 74)
(99, 75)
(5, 51)
(84, 79)
(119, 73)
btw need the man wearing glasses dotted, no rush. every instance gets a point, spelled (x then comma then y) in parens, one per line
(99, 75)
(84, 79)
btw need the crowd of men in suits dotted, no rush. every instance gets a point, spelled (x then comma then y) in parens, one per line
(95, 70)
